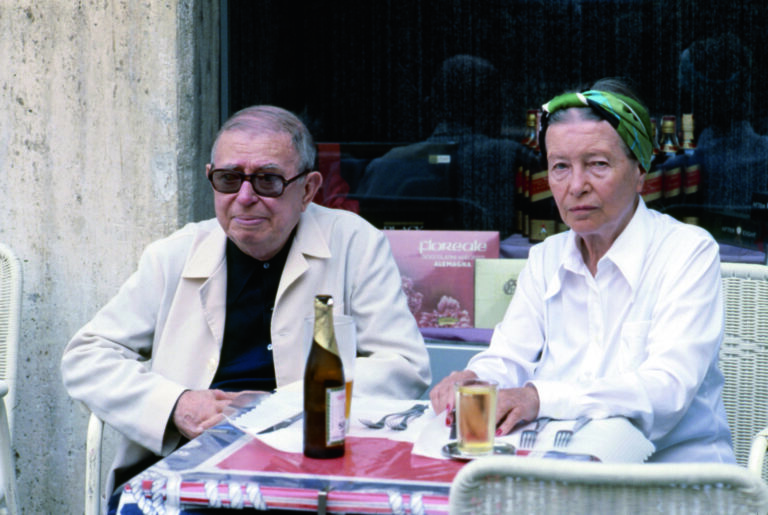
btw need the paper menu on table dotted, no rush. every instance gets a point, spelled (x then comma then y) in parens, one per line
(287, 402)
(611, 440)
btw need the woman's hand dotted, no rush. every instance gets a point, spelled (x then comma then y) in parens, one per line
(514, 405)
(442, 396)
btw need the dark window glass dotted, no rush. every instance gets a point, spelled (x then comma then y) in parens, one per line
(367, 77)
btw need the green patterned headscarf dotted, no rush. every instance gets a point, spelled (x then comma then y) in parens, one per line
(627, 116)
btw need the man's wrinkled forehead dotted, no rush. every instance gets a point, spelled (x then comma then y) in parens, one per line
(254, 130)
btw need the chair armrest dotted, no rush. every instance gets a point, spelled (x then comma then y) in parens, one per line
(93, 493)
(757, 452)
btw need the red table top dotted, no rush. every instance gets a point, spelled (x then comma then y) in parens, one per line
(372, 458)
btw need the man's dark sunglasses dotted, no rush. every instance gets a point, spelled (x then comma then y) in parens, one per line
(264, 184)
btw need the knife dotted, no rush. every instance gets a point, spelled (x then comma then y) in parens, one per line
(283, 423)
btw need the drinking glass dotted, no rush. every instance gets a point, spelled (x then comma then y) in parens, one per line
(475, 416)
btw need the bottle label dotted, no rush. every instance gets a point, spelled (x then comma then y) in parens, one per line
(335, 421)
(540, 229)
(527, 183)
(673, 181)
(540, 187)
(669, 148)
(652, 186)
(692, 179)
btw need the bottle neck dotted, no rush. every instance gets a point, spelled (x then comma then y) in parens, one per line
(323, 330)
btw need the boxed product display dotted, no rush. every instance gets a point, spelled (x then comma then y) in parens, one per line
(438, 272)
(495, 282)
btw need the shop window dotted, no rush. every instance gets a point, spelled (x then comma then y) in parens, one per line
(443, 89)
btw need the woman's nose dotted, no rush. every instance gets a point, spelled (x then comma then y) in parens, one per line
(579, 181)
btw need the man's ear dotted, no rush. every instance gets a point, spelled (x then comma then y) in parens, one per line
(312, 185)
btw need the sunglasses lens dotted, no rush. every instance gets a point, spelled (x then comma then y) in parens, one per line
(226, 182)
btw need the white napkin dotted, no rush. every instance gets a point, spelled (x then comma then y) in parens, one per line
(289, 400)
(284, 403)
(611, 440)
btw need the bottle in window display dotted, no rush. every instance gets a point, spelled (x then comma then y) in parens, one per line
(543, 214)
(324, 388)
(653, 181)
(521, 177)
(691, 173)
(672, 171)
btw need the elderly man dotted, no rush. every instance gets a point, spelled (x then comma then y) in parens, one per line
(622, 315)
(217, 307)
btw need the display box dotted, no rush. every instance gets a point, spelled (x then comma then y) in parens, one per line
(438, 272)
(495, 283)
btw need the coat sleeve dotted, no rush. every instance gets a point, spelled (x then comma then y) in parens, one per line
(106, 365)
(393, 359)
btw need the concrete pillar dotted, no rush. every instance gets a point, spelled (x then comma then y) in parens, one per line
(107, 113)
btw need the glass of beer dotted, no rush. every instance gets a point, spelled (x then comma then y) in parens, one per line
(475, 416)
(346, 339)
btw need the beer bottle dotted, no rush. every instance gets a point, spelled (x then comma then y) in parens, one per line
(672, 174)
(324, 390)
(691, 173)
(652, 186)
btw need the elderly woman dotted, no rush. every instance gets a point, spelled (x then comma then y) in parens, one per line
(620, 316)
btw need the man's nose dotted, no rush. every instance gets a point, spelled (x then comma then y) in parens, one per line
(247, 194)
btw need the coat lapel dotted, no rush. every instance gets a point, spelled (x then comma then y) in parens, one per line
(207, 265)
(309, 242)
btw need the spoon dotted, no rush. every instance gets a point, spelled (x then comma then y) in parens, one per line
(383, 420)
(403, 424)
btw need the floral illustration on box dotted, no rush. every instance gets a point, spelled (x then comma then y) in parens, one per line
(447, 314)
(414, 297)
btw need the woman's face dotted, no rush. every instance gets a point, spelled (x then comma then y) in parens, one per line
(595, 184)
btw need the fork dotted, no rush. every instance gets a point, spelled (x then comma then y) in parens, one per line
(563, 437)
(528, 437)
(403, 424)
(383, 420)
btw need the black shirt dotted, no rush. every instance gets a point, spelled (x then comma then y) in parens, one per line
(246, 361)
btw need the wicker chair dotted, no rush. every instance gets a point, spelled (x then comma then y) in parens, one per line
(10, 318)
(94, 497)
(744, 361)
(525, 485)
(509, 484)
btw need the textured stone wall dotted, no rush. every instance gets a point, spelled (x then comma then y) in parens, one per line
(107, 113)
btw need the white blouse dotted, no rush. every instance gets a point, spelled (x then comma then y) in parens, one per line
(640, 339)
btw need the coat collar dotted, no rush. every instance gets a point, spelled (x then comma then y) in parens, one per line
(207, 255)
(208, 252)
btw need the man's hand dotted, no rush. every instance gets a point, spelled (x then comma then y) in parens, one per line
(197, 410)
(442, 396)
(514, 405)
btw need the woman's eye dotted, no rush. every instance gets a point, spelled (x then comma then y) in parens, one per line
(558, 169)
